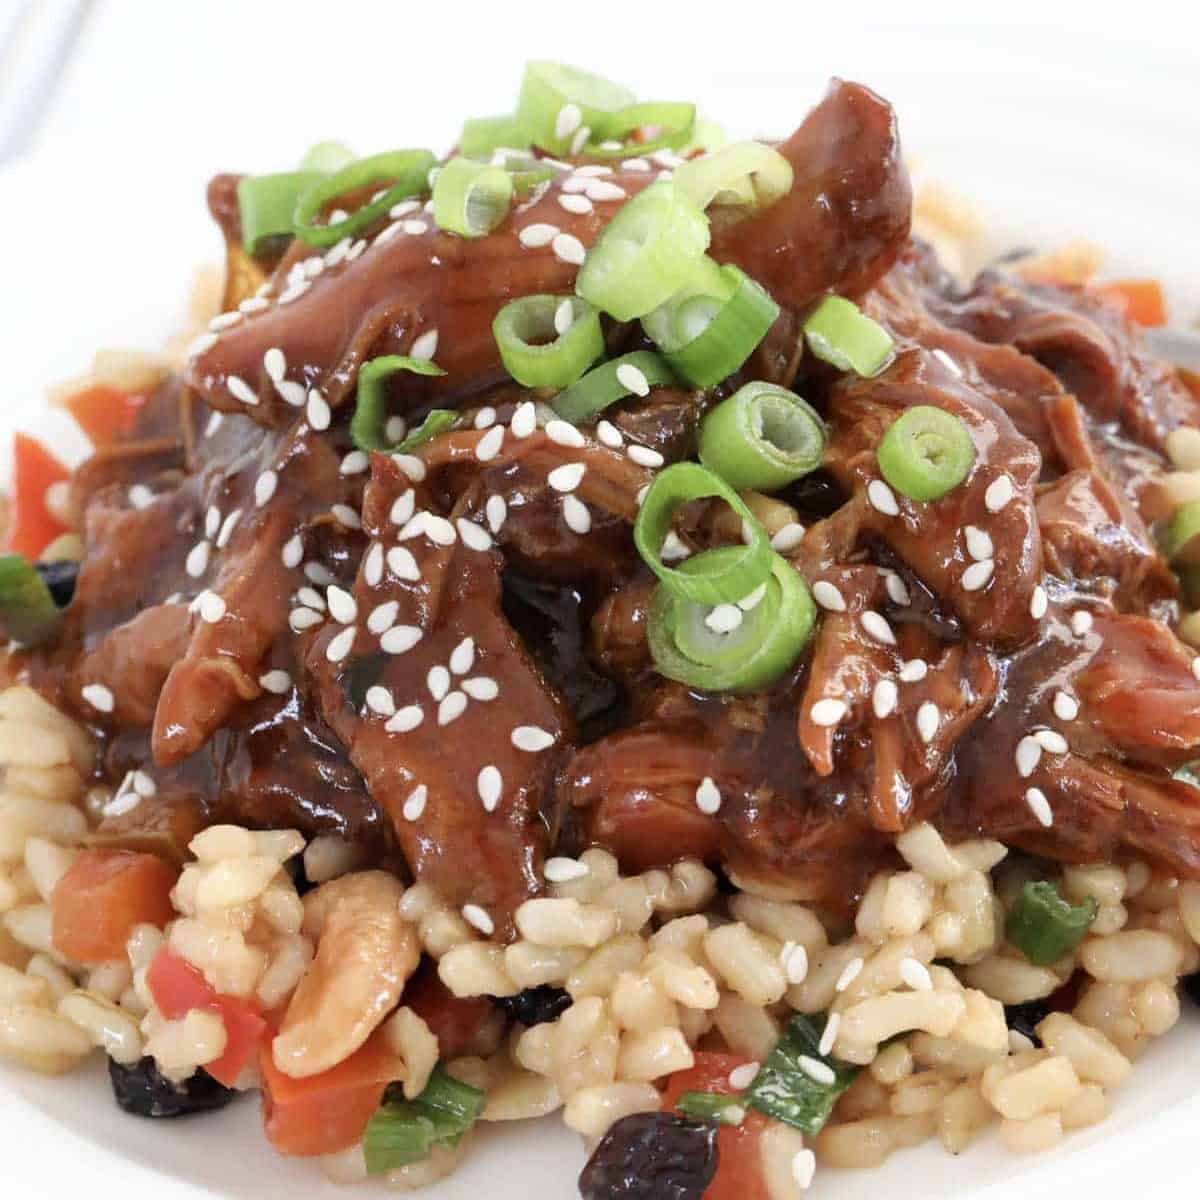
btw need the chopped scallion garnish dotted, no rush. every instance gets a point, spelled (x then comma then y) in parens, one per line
(368, 424)
(669, 124)
(327, 157)
(558, 101)
(471, 199)
(839, 333)
(610, 382)
(482, 136)
(709, 1106)
(534, 350)
(28, 612)
(747, 173)
(267, 203)
(1044, 926)
(925, 453)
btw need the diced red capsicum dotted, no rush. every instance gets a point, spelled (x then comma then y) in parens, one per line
(739, 1171)
(1141, 300)
(178, 988)
(31, 528)
(328, 1112)
(104, 413)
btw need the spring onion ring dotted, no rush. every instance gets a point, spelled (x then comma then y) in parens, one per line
(925, 453)
(603, 385)
(840, 334)
(1182, 543)
(673, 122)
(471, 199)
(645, 254)
(770, 639)
(481, 137)
(367, 425)
(327, 157)
(728, 579)
(558, 101)
(762, 437)
(404, 172)
(746, 173)
(266, 204)
(532, 349)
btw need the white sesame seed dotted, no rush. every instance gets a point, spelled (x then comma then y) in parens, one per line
(319, 574)
(224, 321)
(580, 139)
(877, 627)
(976, 576)
(489, 785)
(462, 657)
(576, 515)
(567, 477)
(438, 682)
(828, 712)
(121, 803)
(562, 433)
(947, 362)
(485, 418)
(355, 463)
(1038, 602)
(481, 687)
(723, 618)
(474, 536)
(795, 964)
(674, 549)
(361, 245)
(882, 498)
(394, 430)
(914, 670)
(227, 527)
(929, 718)
(1081, 622)
(832, 1027)
(884, 698)
(1051, 741)
(373, 565)
(644, 456)
(496, 511)
(999, 492)
(474, 915)
(451, 708)
(532, 738)
(196, 562)
(896, 588)
(383, 617)
(339, 251)
(212, 521)
(341, 645)
(602, 190)
(609, 435)
(850, 972)
(342, 605)
(636, 164)
(1066, 707)
(439, 531)
(740, 1078)
(414, 805)
(644, 491)
(215, 421)
(388, 232)
(633, 378)
(750, 601)
(275, 682)
(301, 619)
(979, 543)
(345, 515)
(400, 639)
(564, 316)
(489, 445)
(524, 420)
(425, 347)
(563, 870)
(239, 389)
(804, 1168)
(788, 538)
(568, 121)
(211, 608)
(1029, 754)
(403, 208)
(264, 487)
(275, 364)
(535, 236)
(311, 598)
(1040, 807)
(568, 248)
(574, 203)
(201, 344)
(99, 697)
(293, 552)
(143, 784)
(379, 700)
(295, 291)
(403, 507)
(406, 719)
(291, 392)
(318, 411)
(708, 796)
(414, 526)
(314, 266)
(916, 975)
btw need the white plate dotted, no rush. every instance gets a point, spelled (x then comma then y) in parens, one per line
(1098, 142)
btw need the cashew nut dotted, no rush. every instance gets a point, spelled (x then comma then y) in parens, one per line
(366, 952)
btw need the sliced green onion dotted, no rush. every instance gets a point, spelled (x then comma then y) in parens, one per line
(471, 199)
(718, 333)
(762, 649)
(533, 350)
(746, 173)
(28, 613)
(327, 157)
(266, 204)
(647, 252)
(370, 409)
(1044, 926)
(762, 437)
(557, 101)
(706, 136)
(708, 1106)
(404, 1132)
(526, 170)
(1183, 534)
(437, 421)
(723, 580)
(403, 173)
(687, 313)
(785, 1090)
(482, 136)
(839, 333)
(925, 453)
(673, 121)
(608, 383)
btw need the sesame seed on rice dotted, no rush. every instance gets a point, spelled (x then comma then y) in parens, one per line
(451, 708)
(414, 805)
(476, 917)
(481, 687)
(828, 712)
(99, 697)
(489, 785)
(708, 796)
(850, 972)
(532, 738)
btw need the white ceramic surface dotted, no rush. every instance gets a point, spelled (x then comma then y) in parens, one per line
(1059, 128)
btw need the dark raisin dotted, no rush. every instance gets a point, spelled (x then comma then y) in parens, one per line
(652, 1156)
(142, 1091)
(535, 1005)
(1191, 985)
(1024, 1018)
(60, 578)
